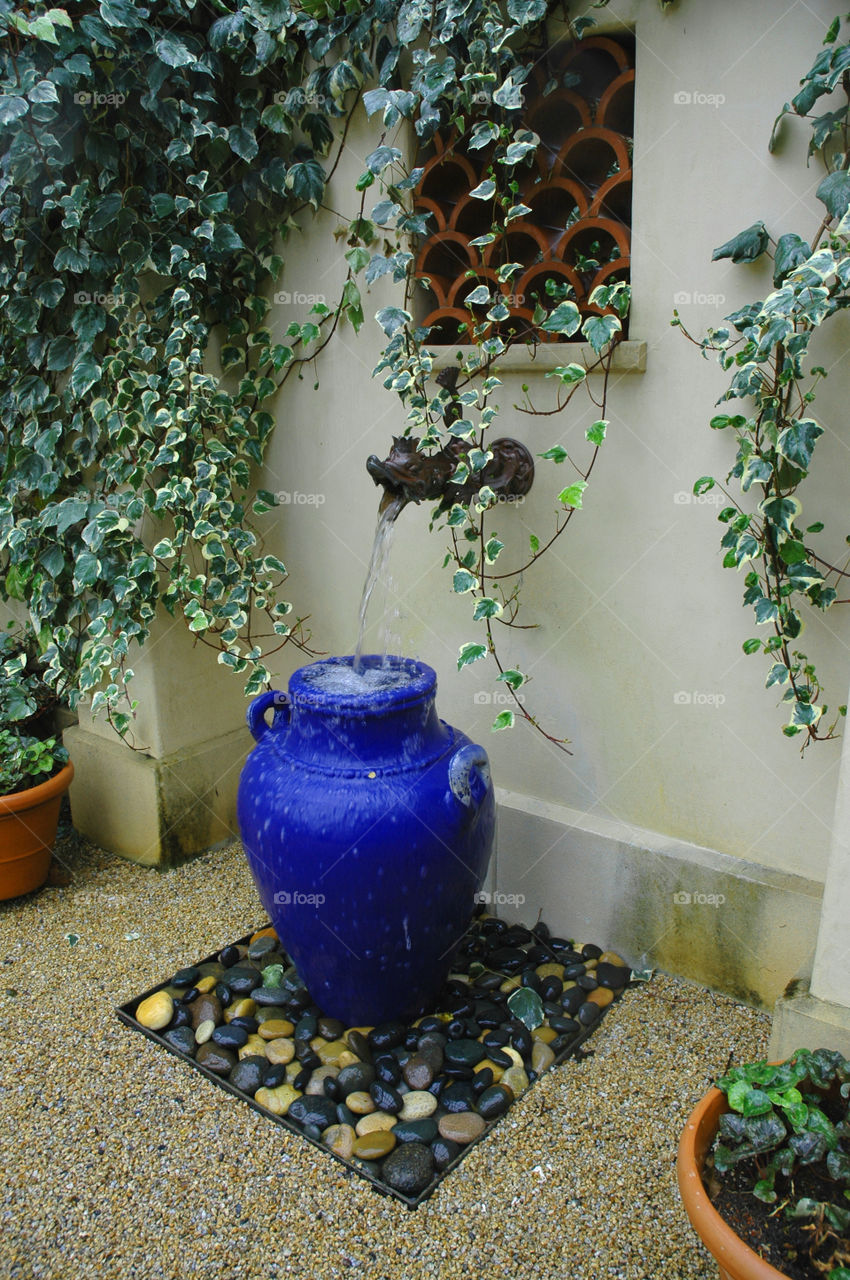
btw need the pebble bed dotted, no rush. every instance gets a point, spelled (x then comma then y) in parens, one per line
(403, 1101)
(121, 1159)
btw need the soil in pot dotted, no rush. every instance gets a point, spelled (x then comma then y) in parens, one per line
(799, 1248)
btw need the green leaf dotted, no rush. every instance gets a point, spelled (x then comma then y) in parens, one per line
(43, 91)
(512, 677)
(746, 246)
(470, 653)
(12, 108)
(834, 192)
(391, 319)
(484, 191)
(492, 549)
(791, 251)
(173, 52)
(486, 608)
(464, 581)
(555, 454)
(599, 330)
(765, 611)
(596, 432)
(751, 646)
(568, 373)
(566, 319)
(60, 354)
(526, 1005)
(797, 441)
(85, 373)
(572, 495)
(504, 720)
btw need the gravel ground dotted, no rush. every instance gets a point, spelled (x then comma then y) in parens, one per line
(120, 1160)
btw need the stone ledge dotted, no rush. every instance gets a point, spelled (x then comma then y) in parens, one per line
(629, 357)
(802, 1021)
(157, 812)
(730, 924)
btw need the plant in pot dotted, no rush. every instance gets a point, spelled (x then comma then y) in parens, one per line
(764, 1169)
(34, 769)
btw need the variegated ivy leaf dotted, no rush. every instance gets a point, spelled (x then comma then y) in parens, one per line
(504, 720)
(470, 653)
(464, 581)
(486, 608)
(512, 677)
(572, 495)
(492, 549)
(485, 190)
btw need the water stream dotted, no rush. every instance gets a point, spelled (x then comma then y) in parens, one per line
(377, 570)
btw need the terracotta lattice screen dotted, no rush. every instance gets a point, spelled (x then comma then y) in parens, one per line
(579, 193)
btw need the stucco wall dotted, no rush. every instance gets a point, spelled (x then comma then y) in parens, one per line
(632, 606)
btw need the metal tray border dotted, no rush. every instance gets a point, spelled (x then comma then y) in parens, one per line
(411, 1202)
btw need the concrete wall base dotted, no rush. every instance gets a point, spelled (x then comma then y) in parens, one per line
(802, 1021)
(157, 812)
(732, 925)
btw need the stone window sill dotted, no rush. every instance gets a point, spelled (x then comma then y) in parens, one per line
(629, 357)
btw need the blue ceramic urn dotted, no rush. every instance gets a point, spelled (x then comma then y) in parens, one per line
(368, 825)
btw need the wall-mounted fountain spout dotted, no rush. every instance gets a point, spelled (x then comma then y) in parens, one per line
(410, 476)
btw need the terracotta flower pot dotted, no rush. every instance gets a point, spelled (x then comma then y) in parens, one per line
(735, 1260)
(28, 821)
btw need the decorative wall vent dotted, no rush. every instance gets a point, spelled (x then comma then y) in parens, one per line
(579, 192)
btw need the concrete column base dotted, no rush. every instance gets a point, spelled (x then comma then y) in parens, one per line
(157, 812)
(802, 1021)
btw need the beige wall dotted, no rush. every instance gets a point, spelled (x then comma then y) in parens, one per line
(633, 606)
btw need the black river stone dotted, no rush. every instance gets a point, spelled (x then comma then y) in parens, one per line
(242, 979)
(185, 977)
(276, 1075)
(409, 1168)
(385, 1097)
(588, 1013)
(360, 1045)
(444, 1151)
(464, 1053)
(493, 1102)
(458, 1096)
(614, 976)
(230, 1037)
(355, 1079)
(416, 1130)
(180, 1038)
(387, 1035)
(387, 1069)
(313, 1110)
(249, 1074)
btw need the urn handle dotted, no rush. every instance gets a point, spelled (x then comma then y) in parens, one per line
(469, 774)
(257, 722)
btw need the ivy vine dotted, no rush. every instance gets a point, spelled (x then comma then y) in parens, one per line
(157, 160)
(766, 347)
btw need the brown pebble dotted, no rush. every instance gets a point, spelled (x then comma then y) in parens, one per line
(374, 1146)
(280, 1051)
(245, 1008)
(542, 1057)
(254, 1045)
(273, 1028)
(602, 996)
(206, 984)
(461, 1126)
(340, 1138)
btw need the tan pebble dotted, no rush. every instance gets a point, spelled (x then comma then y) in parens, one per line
(515, 1057)
(550, 970)
(417, 1104)
(293, 1070)
(347, 1059)
(270, 932)
(278, 1100)
(156, 1011)
(377, 1122)
(245, 1008)
(611, 957)
(542, 1057)
(461, 1126)
(274, 1028)
(511, 984)
(204, 1030)
(206, 984)
(363, 1031)
(330, 1050)
(360, 1103)
(601, 996)
(590, 965)
(340, 1138)
(280, 1051)
(254, 1045)
(373, 1146)
(546, 1034)
(498, 1071)
(316, 1084)
(516, 1079)
(569, 984)
(317, 1042)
